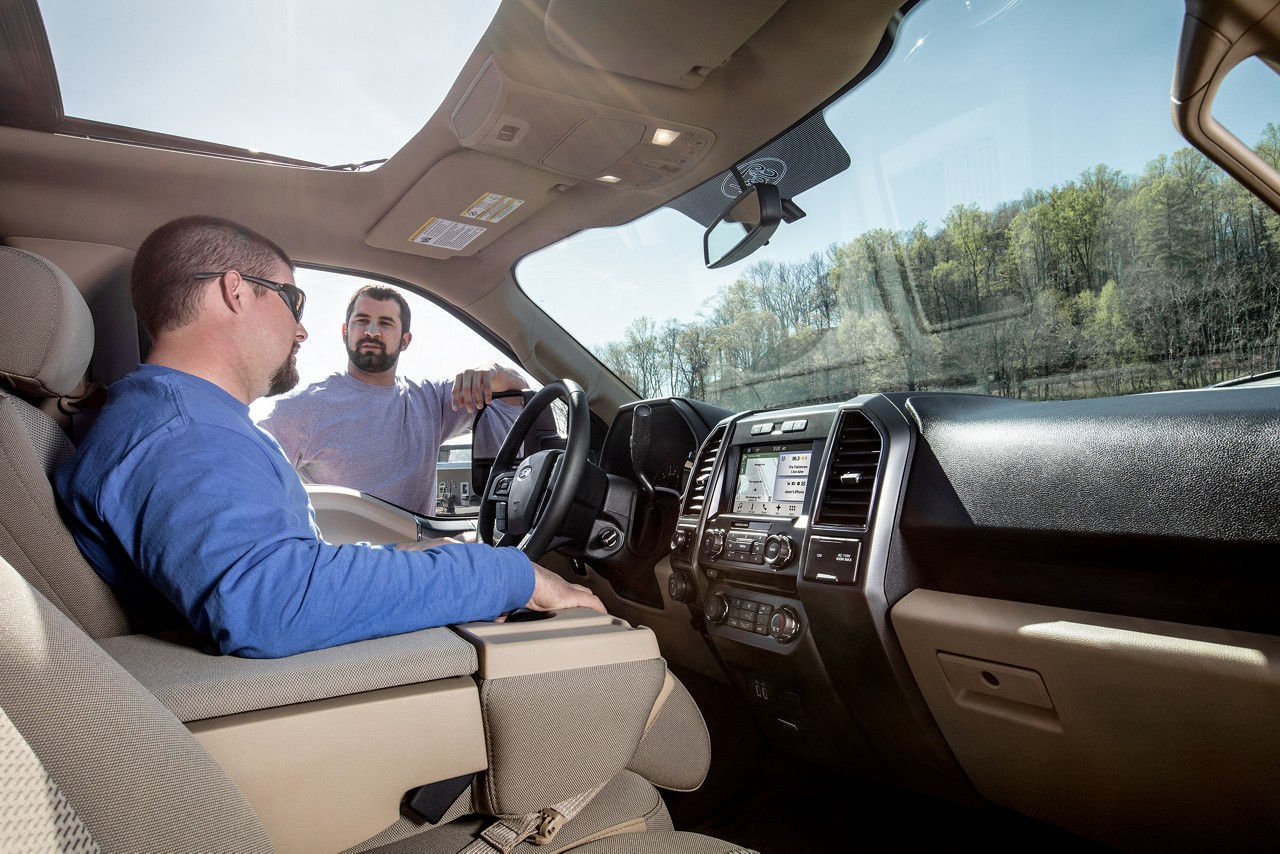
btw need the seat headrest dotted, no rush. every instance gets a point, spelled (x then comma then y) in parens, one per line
(46, 330)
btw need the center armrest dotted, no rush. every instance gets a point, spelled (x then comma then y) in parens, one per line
(196, 685)
(561, 640)
(566, 700)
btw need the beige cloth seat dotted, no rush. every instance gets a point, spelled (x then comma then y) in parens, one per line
(46, 340)
(89, 760)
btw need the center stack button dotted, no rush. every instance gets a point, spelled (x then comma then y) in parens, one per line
(712, 542)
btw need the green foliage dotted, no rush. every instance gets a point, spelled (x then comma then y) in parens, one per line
(1106, 284)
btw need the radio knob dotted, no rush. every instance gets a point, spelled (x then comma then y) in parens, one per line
(712, 543)
(716, 609)
(784, 625)
(680, 541)
(778, 549)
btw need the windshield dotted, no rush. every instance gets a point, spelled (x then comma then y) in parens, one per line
(1020, 218)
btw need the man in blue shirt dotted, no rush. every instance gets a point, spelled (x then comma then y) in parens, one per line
(176, 497)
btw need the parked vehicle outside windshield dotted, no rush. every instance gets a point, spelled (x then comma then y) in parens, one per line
(1020, 218)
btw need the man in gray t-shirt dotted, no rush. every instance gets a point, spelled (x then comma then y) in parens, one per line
(367, 428)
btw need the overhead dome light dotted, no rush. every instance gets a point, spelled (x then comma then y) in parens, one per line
(664, 137)
(609, 179)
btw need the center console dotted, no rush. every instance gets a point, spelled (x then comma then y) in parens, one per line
(752, 542)
(773, 539)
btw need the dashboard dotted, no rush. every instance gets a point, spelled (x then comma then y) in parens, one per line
(979, 597)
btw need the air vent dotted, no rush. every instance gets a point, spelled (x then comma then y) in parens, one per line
(701, 479)
(846, 502)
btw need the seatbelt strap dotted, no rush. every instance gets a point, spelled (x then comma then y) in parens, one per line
(510, 830)
(87, 395)
(542, 826)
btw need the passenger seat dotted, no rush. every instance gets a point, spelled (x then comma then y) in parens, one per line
(46, 339)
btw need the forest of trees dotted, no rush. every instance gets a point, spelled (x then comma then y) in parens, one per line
(1108, 284)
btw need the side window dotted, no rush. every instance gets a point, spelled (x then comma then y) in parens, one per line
(454, 496)
(340, 429)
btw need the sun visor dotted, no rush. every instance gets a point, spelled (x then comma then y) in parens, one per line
(450, 212)
(801, 158)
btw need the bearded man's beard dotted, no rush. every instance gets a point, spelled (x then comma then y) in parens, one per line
(372, 361)
(285, 377)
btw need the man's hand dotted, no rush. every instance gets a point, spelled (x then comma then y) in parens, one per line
(473, 388)
(551, 593)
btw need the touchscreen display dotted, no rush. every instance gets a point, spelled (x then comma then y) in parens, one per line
(772, 480)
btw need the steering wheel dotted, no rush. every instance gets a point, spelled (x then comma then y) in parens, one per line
(527, 501)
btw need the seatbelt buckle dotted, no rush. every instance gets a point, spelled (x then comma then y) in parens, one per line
(548, 827)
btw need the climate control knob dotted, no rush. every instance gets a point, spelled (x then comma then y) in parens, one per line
(712, 543)
(778, 550)
(784, 625)
(716, 609)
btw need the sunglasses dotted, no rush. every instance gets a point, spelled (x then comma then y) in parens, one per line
(293, 296)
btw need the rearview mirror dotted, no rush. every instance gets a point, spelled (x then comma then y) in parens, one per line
(745, 226)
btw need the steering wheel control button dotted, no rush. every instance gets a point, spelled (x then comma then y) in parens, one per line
(778, 550)
(716, 609)
(503, 487)
(832, 561)
(784, 625)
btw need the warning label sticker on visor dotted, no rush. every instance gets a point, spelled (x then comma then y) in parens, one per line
(447, 234)
(492, 207)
